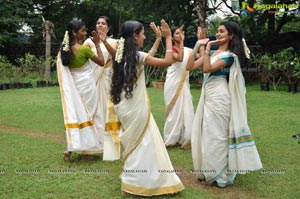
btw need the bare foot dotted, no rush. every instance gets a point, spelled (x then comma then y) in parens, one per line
(186, 146)
(67, 155)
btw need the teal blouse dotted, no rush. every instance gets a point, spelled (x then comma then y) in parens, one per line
(224, 71)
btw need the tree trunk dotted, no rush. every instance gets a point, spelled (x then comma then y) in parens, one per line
(47, 56)
(201, 8)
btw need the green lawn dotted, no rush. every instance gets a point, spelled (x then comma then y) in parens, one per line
(32, 142)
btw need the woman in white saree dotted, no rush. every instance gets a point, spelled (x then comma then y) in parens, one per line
(177, 94)
(102, 76)
(78, 92)
(222, 144)
(146, 166)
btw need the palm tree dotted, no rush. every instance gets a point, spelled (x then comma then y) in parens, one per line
(48, 32)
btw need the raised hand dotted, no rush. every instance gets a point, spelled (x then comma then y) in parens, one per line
(181, 33)
(102, 34)
(201, 35)
(165, 29)
(95, 38)
(156, 30)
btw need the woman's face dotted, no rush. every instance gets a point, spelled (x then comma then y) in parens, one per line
(139, 38)
(80, 34)
(102, 25)
(176, 35)
(223, 34)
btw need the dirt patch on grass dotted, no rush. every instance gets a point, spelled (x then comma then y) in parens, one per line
(60, 139)
(230, 192)
(187, 177)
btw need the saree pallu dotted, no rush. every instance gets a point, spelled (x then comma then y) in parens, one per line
(220, 123)
(146, 166)
(179, 103)
(109, 119)
(80, 109)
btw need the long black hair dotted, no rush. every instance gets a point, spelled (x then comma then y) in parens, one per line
(73, 25)
(236, 44)
(125, 73)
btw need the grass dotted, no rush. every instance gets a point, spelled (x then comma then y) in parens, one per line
(32, 140)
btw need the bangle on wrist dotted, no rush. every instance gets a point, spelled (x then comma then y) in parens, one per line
(169, 51)
(207, 53)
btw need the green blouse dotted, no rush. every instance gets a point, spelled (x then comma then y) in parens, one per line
(83, 54)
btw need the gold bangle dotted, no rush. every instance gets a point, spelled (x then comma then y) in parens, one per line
(169, 51)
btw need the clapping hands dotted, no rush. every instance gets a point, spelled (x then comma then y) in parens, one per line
(156, 30)
(165, 29)
(95, 37)
(201, 35)
(181, 33)
(101, 35)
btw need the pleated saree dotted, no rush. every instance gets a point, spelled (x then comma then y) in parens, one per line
(179, 103)
(146, 166)
(84, 131)
(109, 119)
(222, 144)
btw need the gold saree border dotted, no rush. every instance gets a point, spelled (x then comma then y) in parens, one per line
(79, 126)
(178, 90)
(112, 126)
(64, 106)
(239, 140)
(151, 191)
(89, 152)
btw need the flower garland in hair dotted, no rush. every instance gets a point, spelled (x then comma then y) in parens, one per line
(246, 49)
(120, 49)
(66, 42)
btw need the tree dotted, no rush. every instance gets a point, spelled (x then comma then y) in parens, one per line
(265, 27)
(48, 33)
(13, 14)
(201, 7)
(60, 12)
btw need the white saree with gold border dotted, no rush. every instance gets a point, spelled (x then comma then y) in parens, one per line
(80, 109)
(179, 103)
(146, 166)
(222, 144)
(110, 120)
